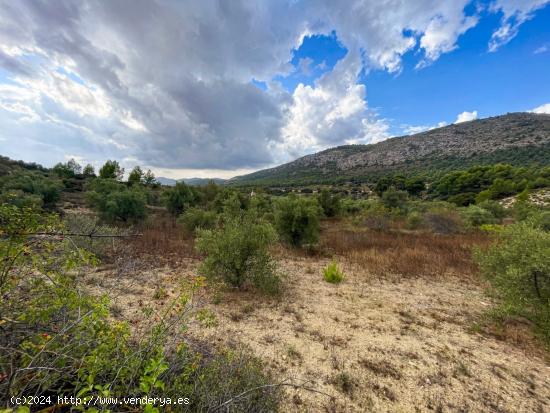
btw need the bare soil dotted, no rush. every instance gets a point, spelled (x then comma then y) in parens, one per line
(371, 343)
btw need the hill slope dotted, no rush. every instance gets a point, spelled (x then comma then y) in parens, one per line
(517, 138)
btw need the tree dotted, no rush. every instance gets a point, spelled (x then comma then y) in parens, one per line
(67, 170)
(74, 166)
(149, 178)
(415, 186)
(111, 170)
(135, 176)
(88, 171)
(179, 198)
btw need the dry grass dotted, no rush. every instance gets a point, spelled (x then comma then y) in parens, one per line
(406, 254)
(162, 238)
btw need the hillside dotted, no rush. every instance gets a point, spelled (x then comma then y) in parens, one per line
(190, 181)
(517, 138)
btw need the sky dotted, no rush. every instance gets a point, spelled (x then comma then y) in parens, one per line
(221, 88)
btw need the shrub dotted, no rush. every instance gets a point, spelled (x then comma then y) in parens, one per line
(540, 219)
(414, 220)
(227, 374)
(297, 220)
(238, 253)
(475, 216)
(442, 221)
(463, 199)
(59, 340)
(395, 199)
(195, 218)
(127, 206)
(377, 217)
(21, 199)
(115, 201)
(178, 198)
(518, 268)
(494, 207)
(22, 184)
(332, 273)
(330, 204)
(352, 207)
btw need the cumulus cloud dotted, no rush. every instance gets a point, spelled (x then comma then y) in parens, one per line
(542, 109)
(514, 14)
(169, 84)
(333, 111)
(466, 116)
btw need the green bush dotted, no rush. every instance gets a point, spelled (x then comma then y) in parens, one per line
(332, 273)
(474, 216)
(377, 216)
(351, 206)
(237, 253)
(395, 199)
(24, 188)
(180, 197)
(21, 199)
(114, 201)
(414, 220)
(297, 220)
(494, 207)
(195, 218)
(60, 340)
(519, 269)
(330, 204)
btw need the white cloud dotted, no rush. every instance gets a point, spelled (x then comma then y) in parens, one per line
(542, 109)
(514, 14)
(411, 130)
(169, 84)
(441, 35)
(541, 49)
(331, 112)
(466, 116)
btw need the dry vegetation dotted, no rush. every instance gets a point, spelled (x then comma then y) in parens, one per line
(403, 332)
(404, 254)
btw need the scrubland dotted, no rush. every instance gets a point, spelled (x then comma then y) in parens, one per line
(245, 301)
(409, 328)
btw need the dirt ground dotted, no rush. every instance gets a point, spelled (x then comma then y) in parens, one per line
(381, 344)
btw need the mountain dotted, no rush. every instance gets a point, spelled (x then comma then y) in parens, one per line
(203, 181)
(166, 181)
(190, 181)
(516, 138)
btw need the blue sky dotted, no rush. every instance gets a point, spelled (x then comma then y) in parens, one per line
(515, 78)
(225, 88)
